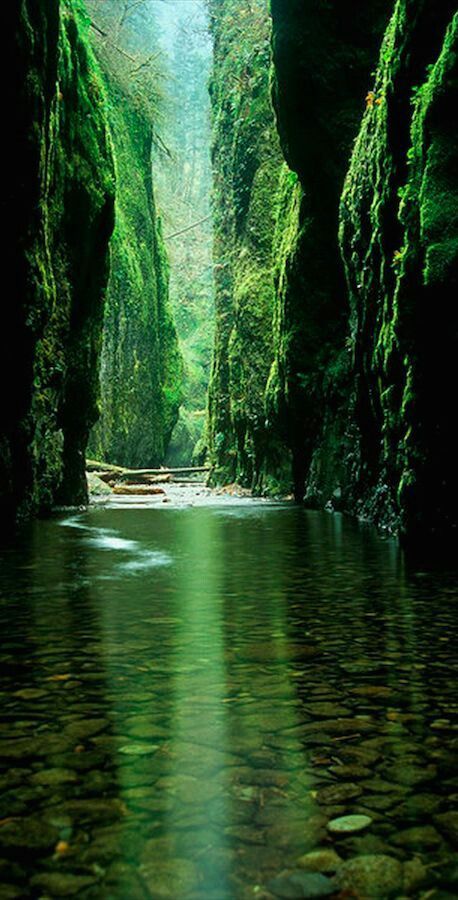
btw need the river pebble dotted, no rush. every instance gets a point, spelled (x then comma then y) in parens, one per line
(297, 884)
(371, 876)
(345, 825)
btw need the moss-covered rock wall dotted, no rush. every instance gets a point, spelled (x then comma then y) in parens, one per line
(399, 236)
(247, 163)
(323, 55)
(281, 297)
(141, 371)
(58, 214)
(361, 382)
(358, 334)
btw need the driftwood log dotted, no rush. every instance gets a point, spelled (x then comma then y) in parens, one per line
(117, 475)
(137, 490)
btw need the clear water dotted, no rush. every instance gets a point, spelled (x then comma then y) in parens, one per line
(189, 695)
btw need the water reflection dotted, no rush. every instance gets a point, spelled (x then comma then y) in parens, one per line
(189, 697)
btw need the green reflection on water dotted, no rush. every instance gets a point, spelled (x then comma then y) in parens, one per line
(188, 696)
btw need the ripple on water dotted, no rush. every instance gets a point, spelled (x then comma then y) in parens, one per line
(147, 559)
(111, 542)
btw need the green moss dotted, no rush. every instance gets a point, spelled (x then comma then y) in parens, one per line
(141, 362)
(247, 163)
(62, 201)
(425, 324)
(399, 237)
(281, 357)
(322, 56)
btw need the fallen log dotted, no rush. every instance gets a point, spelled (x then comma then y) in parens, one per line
(93, 465)
(107, 477)
(145, 479)
(118, 474)
(137, 490)
(150, 473)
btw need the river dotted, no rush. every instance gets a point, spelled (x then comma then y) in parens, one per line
(191, 693)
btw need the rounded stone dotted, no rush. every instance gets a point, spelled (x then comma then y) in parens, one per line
(371, 876)
(138, 749)
(300, 885)
(62, 884)
(448, 824)
(31, 835)
(53, 777)
(168, 879)
(346, 825)
(319, 861)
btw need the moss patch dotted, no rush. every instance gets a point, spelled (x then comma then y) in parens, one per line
(61, 211)
(399, 240)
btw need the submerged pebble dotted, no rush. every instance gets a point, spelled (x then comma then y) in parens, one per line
(349, 824)
(298, 884)
(61, 884)
(371, 876)
(319, 861)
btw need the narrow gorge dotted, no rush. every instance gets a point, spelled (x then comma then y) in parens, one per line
(334, 209)
(228, 490)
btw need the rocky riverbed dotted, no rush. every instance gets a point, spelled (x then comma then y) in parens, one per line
(223, 698)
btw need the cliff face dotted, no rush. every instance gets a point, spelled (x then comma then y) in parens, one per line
(247, 163)
(59, 217)
(322, 55)
(141, 364)
(59, 210)
(361, 383)
(351, 359)
(399, 238)
(281, 297)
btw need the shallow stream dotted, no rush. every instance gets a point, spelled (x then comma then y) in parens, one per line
(191, 694)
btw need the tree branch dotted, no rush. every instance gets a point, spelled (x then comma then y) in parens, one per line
(188, 228)
(115, 46)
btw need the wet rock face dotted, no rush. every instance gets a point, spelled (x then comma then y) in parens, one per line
(387, 367)
(323, 54)
(399, 240)
(60, 216)
(280, 283)
(247, 162)
(141, 368)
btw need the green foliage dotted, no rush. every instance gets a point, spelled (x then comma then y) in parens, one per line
(121, 33)
(184, 185)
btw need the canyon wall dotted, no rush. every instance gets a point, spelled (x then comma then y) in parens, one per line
(322, 60)
(141, 368)
(399, 237)
(352, 384)
(247, 162)
(79, 160)
(58, 200)
(281, 306)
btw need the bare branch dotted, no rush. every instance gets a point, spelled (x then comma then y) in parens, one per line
(112, 44)
(188, 228)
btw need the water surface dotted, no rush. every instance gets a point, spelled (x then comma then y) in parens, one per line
(190, 695)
